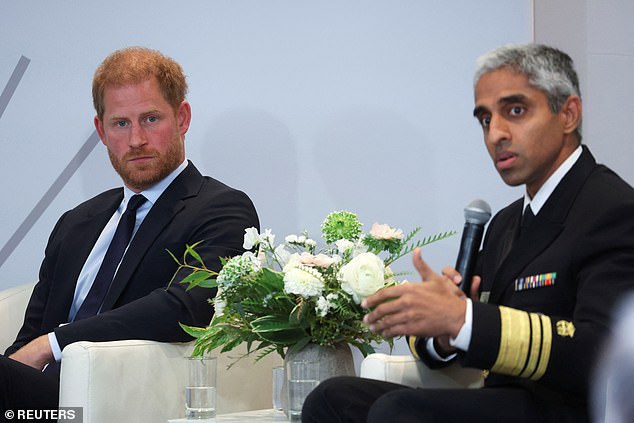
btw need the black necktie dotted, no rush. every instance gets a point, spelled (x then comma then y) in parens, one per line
(527, 218)
(111, 260)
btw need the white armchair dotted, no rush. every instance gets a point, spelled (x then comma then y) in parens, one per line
(139, 381)
(13, 302)
(407, 370)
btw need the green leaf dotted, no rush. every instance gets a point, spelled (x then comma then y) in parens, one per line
(364, 348)
(173, 256)
(208, 283)
(199, 278)
(229, 345)
(270, 324)
(277, 330)
(273, 281)
(189, 249)
(265, 351)
(193, 331)
(283, 337)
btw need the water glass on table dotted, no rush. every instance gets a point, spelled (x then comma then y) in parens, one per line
(200, 392)
(302, 376)
(278, 383)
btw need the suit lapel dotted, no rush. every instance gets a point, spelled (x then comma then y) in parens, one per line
(545, 228)
(80, 242)
(510, 235)
(169, 204)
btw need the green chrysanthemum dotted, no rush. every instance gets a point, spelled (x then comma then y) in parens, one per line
(341, 225)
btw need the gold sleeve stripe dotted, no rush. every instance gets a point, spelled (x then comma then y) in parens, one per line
(514, 340)
(533, 356)
(525, 343)
(547, 343)
(412, 346)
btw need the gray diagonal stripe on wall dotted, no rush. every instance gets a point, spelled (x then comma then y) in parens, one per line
(48, 197)
(13, 82)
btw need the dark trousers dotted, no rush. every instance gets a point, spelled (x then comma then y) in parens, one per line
(25, 388)
(353, 399)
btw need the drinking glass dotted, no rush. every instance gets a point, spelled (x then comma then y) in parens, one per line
(302, 376)
(278, 383)
(200, 392)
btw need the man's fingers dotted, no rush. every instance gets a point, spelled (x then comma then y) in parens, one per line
(452, 274)
(391, 325)
(384, 294)
(425, 272)
(383, 309)
(396, 330)
(374, 299)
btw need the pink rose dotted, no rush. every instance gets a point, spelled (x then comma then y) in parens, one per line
(382, 231)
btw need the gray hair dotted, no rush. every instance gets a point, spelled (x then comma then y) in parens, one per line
(548, 69)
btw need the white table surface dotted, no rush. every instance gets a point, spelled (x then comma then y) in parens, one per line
(261, 416)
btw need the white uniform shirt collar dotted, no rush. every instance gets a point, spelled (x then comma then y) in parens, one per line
(551, 183)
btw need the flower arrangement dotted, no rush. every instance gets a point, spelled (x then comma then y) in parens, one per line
(290, 294)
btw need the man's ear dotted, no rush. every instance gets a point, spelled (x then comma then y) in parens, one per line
(100, 130)
(570, 113)
(184, 117)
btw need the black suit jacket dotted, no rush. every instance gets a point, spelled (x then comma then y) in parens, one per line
(138, 306)
(545, 336)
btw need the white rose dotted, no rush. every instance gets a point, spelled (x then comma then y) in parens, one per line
(362, 276)
(251, 238)
(380, 231)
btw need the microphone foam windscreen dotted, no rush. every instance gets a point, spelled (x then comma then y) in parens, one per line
(478, 211)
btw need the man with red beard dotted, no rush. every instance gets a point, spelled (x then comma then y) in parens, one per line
(96, 284)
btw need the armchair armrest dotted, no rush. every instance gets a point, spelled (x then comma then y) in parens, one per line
(133, 380)
(407, 370)
(144, 381)
(13, 302)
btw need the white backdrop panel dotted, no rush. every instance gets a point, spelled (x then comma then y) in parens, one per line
(309, 107)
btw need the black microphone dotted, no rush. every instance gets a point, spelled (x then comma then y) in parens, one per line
(476, 214)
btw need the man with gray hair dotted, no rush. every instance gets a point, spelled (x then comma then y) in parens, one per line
(552, 266)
